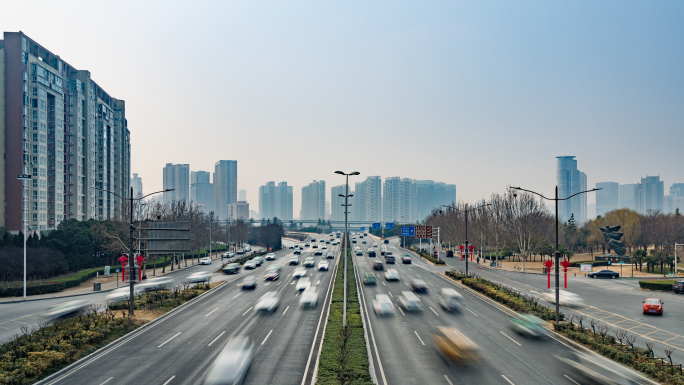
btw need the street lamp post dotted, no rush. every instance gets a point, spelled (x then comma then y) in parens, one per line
(346, 240)
(557, 253)
(131, 233)
(466, 211)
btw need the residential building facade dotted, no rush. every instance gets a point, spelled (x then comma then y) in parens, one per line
(649, 195)
(225, 187)
(571, 181)
(202, 190)
(136, 183)
(313, 201)
(176, 178)
(607, 198)
(63, 129)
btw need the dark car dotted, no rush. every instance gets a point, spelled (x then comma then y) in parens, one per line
(450, 253)
(419, 286)
(371, 253)
(386, 240)
(678, 287)
(406, 260)
(315, 246)
(603, 274)
(389, 260)
(378, 266)
(353, 240)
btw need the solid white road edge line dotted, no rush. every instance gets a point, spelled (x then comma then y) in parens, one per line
(169, 339)
(506, 335)
(219, 336)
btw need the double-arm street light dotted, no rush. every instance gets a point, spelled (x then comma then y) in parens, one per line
(557, 253)
(346, 239)
(131, 260)
(466, 211)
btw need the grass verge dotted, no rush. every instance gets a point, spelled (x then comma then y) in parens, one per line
(51, 346)
(344, 357)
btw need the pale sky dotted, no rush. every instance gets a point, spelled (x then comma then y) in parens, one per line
(482, 94)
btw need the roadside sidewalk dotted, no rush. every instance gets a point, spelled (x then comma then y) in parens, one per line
(86, 287)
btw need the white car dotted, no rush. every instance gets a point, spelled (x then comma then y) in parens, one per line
(323, 265)
(566, 298)
(309, 298)
(298, 273)
(153, 284)
(382, 305)
(392, 275)
(199, 277)
(303, 283)
(205, 261)
(309, 262)
(232, 362)
(410, 302)
(324, 247)
(270, 257)
(268, 302)
(375, 245)
(67, 309)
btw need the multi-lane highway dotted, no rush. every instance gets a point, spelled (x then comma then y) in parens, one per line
(614, 302)
(402, 349)
(180, 347)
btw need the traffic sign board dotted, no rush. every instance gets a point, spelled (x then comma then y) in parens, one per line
(24, 176)
(363, 229)
(424, 232)
(376, 226)
(408, 231)
(389, 226)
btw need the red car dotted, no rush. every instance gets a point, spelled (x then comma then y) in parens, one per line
(653, 306)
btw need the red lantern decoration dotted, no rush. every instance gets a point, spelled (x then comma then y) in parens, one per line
(565, 265)
(462, 248)
(548, 264)
(471, 247)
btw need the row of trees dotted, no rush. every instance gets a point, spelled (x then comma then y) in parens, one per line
(77, 245)
(518, 222)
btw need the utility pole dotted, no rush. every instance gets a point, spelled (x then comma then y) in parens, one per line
(346, 241)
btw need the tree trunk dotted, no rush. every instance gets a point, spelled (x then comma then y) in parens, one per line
(164, 267)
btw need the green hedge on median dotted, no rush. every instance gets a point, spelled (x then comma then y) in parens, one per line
(344, 357)
(661, 284)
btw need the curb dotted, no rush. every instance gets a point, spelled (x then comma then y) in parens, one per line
(123, 339)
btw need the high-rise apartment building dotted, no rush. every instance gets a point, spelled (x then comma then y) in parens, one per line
(242, 196)
(336, 202)
(225, 187)
(176, 178)
(571, 181)
(607, 198)
(276, 201)
(677, 197)
(431, 195)
(649, 195)
(202, 190)
(238, 210)
(628, 196)
(372, 188)
(358, 209)
(136, 183)
(313, 201)
(61, 127)
(400, 200)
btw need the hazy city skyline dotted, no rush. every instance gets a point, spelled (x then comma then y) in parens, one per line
(480, 95)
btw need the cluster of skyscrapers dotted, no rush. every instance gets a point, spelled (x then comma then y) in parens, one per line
(196, 187)
(645, 197)
(62, 129)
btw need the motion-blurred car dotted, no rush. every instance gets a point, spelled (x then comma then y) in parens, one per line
(653, 306)
(154, 284)
(389, 259)
(250, 265)
(291, 247)
(359, 252)
(377, 265)
(268, 302)
(330, 255)
(386, 241)
(371, 253)
(369, 279)
(229, 254)
(199, 276)
(248, 283)
(604, 274)
(454, 346)
(375, 245)
(205, 261)
(324, 247)
(410, 302)
(294, 261)
(419, 286)
(67, 309)
(391, 275)
(258, 260)
(528, 325)
(597, 370)
(405, 259)
(303, 284)
(297, 251)
(300, 272)
(318, 252)
(306, 245)
(270, 257)
(310, 262)
(382, 305)
(678, 287)
(566, 298)
(315, 246)
(323, 265)
(309, 298)
(232, 363)
(450, 299)
(232, 268)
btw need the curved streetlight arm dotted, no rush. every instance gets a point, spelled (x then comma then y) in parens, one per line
(112, 192)
(536, 193)
(581, 192)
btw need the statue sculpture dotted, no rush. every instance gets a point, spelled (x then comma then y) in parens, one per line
(613, 238)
